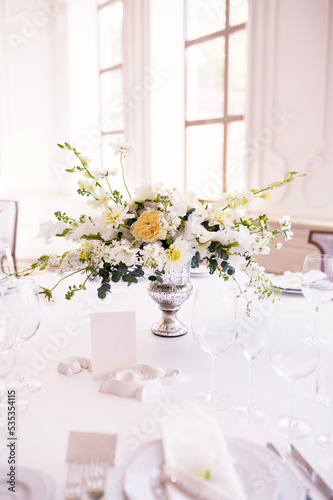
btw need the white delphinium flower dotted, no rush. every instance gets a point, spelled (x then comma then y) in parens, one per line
(125, 254)
(286, 227)
(81, 229)
(71, 262)
(217, 215)
(102, 174)
(102, 199)
(191, 201)
(177, 254)
(121, 147)
(49, 229)
(111, 219)
(89, 185)
(152, 256)
(193, 227)
(237, 199)
(149, 192)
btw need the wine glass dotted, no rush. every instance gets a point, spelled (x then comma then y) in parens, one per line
(317, 282)
(21, 301)
(293, 356)
(324, 387)
(252, 338)
(6, 267)
(214, 327)
(7, 359)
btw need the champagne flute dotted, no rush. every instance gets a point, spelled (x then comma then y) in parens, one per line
(6, 267)
(324, 387)
(293, 356)
(21, 301)
(214, 327)
(317, 282)
(252, 338)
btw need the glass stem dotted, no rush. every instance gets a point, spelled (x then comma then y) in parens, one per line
(292, 422)
(317, 321)
(22, 380)
(250, 402)
(329, 422)
(214, 376)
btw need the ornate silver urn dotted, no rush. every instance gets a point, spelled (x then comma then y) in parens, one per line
(170, 295)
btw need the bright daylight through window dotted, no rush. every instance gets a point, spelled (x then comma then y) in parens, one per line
(215, 94)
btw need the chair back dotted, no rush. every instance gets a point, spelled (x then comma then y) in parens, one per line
(323, 240)
(8, 225)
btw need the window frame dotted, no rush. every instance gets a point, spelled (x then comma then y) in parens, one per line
(112, 68)
(226, 118)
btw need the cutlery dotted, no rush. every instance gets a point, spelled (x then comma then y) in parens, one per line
(306, 489)
(95, 479)
(314, 477)
(74, 482)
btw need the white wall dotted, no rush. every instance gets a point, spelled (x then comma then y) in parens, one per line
(49, 94)
(290, 113)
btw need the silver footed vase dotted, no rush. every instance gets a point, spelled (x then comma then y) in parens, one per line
(170, 295)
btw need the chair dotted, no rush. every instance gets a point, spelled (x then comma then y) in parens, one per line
(8, 225)
(323, 240)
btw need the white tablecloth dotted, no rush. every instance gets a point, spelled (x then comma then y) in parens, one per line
(74, 403)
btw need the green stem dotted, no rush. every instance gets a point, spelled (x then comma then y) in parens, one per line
(65, 277)
(123, 174)
(107, 180)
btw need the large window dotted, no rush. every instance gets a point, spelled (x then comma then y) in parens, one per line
(110, 20)
(215, 97)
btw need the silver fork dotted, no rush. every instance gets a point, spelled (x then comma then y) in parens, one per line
(95, 479)
(74, 482)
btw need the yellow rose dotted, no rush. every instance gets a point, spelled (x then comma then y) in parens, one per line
(148, 227)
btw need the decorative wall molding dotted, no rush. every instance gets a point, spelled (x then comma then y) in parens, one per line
(290, 99)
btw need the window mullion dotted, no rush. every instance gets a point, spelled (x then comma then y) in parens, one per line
(226, 91)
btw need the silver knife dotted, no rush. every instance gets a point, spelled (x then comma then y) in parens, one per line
(307, 493)
(315, 478)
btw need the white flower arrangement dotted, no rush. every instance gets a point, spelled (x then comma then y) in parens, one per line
(157, 231)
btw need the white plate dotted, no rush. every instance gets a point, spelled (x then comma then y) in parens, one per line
(285, 284)
(30, 485)
(262, 475)
(199, 271)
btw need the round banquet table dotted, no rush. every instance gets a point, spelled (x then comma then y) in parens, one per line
(73, 403)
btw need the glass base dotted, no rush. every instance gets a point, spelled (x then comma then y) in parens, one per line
(325, 441)
(27, 387)
(250, 414)
(217, 402)
(290, 428)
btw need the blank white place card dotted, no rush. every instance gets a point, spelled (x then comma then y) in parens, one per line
(82, 447)
(113, 342)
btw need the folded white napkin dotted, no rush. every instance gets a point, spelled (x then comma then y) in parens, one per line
(294, 280)
(196, 453)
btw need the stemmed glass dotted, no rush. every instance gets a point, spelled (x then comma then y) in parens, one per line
(7, 360)
(6, 267)
(21, 301)
(324, 387)
(252, 338)
(317, 282)
(293, 355)
(214, 327)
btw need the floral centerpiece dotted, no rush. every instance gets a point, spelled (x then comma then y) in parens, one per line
(156, 231)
